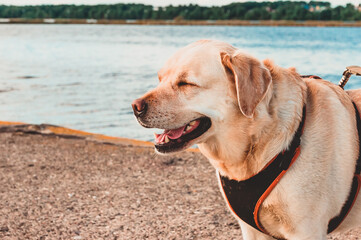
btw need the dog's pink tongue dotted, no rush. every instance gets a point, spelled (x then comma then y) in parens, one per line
(172, 134)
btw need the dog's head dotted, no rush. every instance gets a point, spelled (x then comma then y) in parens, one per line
(203, 89)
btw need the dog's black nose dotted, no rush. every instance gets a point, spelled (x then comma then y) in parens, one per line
(139, 107)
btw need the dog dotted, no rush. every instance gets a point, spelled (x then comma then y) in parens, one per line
(241, 113)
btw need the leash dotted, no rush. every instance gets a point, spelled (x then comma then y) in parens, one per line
(350, 70)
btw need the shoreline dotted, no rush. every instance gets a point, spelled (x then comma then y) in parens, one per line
(63, 132)
(270, 23)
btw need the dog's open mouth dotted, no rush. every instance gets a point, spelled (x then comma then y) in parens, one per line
(176, 139)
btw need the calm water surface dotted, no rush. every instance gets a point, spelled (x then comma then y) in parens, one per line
(86, 76)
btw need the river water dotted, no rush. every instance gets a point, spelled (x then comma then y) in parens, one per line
(86, 76)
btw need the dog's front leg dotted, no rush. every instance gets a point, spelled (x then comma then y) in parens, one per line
(249, 233)
(308, 235)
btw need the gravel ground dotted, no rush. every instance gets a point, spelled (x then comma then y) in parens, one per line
(62, 188)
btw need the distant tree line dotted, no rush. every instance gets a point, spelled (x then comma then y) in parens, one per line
(281, 10)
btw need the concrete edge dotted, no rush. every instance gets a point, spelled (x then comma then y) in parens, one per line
(47, 129)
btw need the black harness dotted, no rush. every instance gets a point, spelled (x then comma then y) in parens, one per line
(245, 197)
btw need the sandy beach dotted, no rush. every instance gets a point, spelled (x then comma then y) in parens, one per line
(58, 184)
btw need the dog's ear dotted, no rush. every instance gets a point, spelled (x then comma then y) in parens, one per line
(251, 79)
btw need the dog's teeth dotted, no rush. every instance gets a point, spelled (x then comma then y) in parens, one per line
(166, 139)
(188, 128)
(184, 132)
(192, 123)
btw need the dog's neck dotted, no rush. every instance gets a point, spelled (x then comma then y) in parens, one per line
(242, 151)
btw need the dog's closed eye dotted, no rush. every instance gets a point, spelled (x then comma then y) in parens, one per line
(180, 84)
(183, 84)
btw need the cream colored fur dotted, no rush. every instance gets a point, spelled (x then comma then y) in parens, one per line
(241, 141)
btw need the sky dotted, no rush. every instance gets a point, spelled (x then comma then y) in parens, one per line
(152, 2)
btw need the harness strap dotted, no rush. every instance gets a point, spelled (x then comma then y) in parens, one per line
(269, 190)
(245, 197)
(355, 187)
(358, 121)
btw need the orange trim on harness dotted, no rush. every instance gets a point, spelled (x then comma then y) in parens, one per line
(269, 190)
(245, 197)
(273, 185)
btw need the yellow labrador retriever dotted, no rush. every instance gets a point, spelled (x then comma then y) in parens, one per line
(242, 112)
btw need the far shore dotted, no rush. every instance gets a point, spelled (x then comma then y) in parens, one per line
(185, 22)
